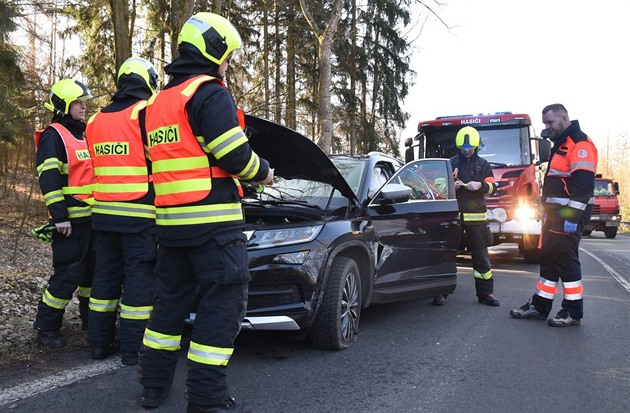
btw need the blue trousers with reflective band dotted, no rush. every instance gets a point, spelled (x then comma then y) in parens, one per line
(218, 272)
(477, 234)
(124, 270)
(73, 266)
(559, 260)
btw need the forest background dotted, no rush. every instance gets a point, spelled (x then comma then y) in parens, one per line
(337, 71)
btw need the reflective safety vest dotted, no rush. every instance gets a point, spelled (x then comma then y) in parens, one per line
(79, 167)
(570, 157)
(180, 161)
(118, 155)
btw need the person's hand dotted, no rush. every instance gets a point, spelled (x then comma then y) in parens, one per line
(570, 227)
(473, 185)
(459, 184)
(64, 228)
(269, 179)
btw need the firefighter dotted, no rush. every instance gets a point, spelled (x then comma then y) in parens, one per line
(123, 216)
(66, 177)
(198, 152)
(473, 181)
(567, 196)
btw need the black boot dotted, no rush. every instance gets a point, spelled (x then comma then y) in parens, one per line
(228, 405)
(488, 300)
(101, 352)
(50, 339)
(129, 358)
(152, 396)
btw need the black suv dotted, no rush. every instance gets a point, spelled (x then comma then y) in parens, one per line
(337, 233)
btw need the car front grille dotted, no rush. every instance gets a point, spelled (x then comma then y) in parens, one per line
(273, 296)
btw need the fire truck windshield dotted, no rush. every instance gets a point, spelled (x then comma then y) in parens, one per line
(504, 146)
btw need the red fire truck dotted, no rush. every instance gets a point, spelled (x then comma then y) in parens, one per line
(518, 158)
(606, 215)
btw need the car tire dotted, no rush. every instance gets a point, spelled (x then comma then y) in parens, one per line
(337, 323)
(610, 232)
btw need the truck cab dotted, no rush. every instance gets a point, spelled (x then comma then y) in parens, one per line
(606, 215)
(518, 159)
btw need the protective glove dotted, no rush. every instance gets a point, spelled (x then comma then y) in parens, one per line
(570, 227)
(43, 233)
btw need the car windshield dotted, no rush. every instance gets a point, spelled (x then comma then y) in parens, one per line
(602, 188)
(314, 193)
(501, 146)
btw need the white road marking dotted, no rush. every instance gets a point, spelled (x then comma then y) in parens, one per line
(63, 378)
(625, 284)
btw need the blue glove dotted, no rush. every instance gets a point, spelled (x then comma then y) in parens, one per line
(570, 227)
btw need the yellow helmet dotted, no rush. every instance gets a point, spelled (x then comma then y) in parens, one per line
(211, 35)
(144, 69)
(467, 137)
(63, 93)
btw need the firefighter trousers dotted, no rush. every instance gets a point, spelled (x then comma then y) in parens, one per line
(478, 242)
(219, 269)
(73, 266)
(123, 276)
(559, 261)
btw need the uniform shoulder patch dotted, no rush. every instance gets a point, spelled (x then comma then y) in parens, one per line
(582, 153)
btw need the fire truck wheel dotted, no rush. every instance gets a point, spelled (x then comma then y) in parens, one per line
(610, 232)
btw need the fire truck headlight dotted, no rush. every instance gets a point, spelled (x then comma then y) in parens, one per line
(525, 213)
(497, 214)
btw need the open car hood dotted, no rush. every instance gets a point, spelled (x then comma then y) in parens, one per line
(293, 155)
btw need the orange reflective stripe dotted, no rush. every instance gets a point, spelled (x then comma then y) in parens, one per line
(549, 289)
(573, 290)
(240, 115)
(81, 176)
(118, 155)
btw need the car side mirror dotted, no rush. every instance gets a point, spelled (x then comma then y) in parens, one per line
(393, 194)
(544, 150)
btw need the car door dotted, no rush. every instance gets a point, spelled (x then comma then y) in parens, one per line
(417, 237)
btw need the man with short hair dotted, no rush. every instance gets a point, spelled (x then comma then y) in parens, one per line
(567, 197)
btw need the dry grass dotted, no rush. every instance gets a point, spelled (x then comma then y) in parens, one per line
(25, 266)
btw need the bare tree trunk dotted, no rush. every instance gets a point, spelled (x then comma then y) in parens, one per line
(325, 41)
(181, 10)
(291, 113)
(123, 33)
(278, 65)
(265, 77)
(353, 81)
(217, 5)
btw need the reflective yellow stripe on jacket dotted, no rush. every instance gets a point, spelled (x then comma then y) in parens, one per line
(126, 209)
(199, 214)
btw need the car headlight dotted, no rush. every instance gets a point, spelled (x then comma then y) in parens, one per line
(525, 213)
(267, 238)
(497, 214)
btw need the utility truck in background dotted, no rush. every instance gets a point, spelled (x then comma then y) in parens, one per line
(606, 215)
(519, 160)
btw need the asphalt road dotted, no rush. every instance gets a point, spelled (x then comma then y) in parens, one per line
(410, 357)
